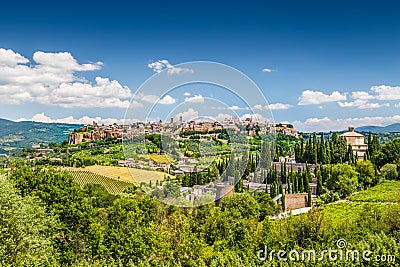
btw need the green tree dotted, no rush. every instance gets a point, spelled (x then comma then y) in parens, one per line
(319, 182)
(389, 171)
(171, 189)
(366, 173)
(64, 198)
(98, 196)
(26, 230)
(265, 157)
(243, 203)
(238, 181)
(343, 179)
(214, 172)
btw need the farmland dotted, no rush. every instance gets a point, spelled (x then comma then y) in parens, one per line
(388, 191)
(124, 174)
(158, 158)
(83, 177)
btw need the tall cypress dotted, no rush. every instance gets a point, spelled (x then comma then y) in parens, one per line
(314, 151)
(300, 184)
(285, 172)
(319, 182)
(369, 142)
(294, 184)
(327, 151)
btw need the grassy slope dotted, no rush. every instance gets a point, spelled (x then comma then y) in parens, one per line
(113, 186)
(130, 175)
(388, 191)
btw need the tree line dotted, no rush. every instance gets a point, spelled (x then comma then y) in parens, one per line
(46, 219)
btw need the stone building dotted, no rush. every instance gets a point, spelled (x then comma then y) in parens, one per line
(296, 201)
(356, 141)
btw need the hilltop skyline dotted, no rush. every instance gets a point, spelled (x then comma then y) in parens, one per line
(321, 66)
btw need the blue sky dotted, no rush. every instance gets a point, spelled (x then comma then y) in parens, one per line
(333, 62)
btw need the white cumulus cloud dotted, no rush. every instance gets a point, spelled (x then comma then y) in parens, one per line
(268, 70)
(275, 106)
(188, 115)
(11, 58)
(361, 95)
(51, 79)
(160, 65)
(234, 107)
(42, 117)
(386, 92)
(278, 106)
(167, 100)
(309, 97)
(328, 124)
(362, 104)
(153, 99)
(195, 99)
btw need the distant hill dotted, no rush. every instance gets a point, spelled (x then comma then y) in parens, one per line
(392, 128)
(16, 135)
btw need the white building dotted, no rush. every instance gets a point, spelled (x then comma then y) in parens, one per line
(356, 141)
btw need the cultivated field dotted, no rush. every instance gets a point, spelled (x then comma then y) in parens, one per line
(125, 174)
(158, 158)
(83, 177)
(388, 191)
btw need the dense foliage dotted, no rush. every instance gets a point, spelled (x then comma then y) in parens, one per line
(388, 191)
(89, 227)
(47, 219)
(112, 186)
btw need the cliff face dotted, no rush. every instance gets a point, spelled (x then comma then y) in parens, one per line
(79, 137)
(75, 138)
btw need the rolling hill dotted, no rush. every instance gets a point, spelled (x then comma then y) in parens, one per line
(16, 135)
(392, 128)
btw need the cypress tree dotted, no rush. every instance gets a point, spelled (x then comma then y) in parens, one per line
(309, 198)
(319, 183)
(302, 150)
(314, 157)
(306, 185)
(300, 184)
(349, 155)
(322, 150)
(308, 173)
(238, 182)
(289, 187)
(297, 155)
(327, 151)
(265, 157)
(284, 173)
(272, 190)
(369, 142)
(294, 184)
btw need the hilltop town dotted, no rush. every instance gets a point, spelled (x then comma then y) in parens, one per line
(82, 149)
(97, 132)
(186, 163)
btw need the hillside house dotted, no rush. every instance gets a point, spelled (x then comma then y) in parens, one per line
(356, 141)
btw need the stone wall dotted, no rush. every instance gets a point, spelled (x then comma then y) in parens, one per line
(296, 201)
